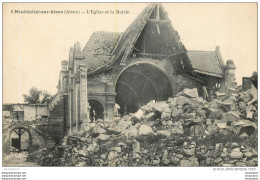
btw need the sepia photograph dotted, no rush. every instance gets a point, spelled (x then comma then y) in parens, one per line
(130, 85)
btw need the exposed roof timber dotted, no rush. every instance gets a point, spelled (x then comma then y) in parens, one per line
(207, 73)
(149, 54)
(171, 55)
(158, 21)
(130, 45)
(196, 79)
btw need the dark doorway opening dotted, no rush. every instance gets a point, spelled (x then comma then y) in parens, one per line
(96, 110)
(20, 140)
(138, 85)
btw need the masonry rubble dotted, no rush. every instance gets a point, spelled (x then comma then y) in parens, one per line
(185, 130)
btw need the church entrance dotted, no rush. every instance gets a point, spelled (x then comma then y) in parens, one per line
(138, 85)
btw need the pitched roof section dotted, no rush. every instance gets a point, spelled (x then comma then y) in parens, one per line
(132, 33)
(206, 62)
(99, 48)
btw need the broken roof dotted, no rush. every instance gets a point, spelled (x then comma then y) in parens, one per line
(206, 62)
(104, 49)
(99, 48)
(132, 33)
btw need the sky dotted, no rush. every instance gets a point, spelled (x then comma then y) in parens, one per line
(35, 44)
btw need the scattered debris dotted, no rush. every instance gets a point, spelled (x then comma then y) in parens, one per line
(183, 131)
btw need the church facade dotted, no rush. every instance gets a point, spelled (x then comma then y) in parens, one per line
(123, 71)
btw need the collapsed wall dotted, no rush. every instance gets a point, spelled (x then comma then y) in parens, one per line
(183, 131)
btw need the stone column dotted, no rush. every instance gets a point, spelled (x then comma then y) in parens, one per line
(77, 99)
(110, 112)
(84, 110)
(70, 104)
(229, 77)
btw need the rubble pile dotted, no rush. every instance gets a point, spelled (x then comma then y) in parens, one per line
(183, 131)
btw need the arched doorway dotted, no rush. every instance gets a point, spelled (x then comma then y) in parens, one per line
(139, 84)
(96, 110)
(20, 140)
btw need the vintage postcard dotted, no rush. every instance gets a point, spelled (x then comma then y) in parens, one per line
(130, 85)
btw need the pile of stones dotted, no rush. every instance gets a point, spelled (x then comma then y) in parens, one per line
(183, 131)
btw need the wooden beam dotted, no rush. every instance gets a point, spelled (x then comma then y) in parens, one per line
(16, 132)
(157, 12)
(149, 54)
(175, 54)
(158, 21)
(23, 132)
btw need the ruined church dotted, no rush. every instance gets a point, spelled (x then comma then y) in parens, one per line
(116, 73)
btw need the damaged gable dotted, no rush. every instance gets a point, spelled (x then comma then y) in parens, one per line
(98, 50)
(206, 62)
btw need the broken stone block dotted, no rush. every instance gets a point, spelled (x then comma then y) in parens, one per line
(136, 147)
(166, 113)
(181, 100)
(220, 95)
(197, 102)
(175, 160)
(197, 130)
(139, 114)
(236, 155)
(112, 155)
(103, 137)
(131, 132)
(189, 151)
(98, 129)
(155, 161)
(191, 93)
(103, 156)
(221, 125)
(212, 129)
(208, 121)
(233, 92)
(242, 126)
(240, 164)
(164, 123)
(176, 112)
(249, 115)
(177, 130)
(169, 123)
(117, 149)
(250, 163)
(172, 101)
(165, 157)
(122, 125)
(83, 153)
(228, 106)
(145, 130)
(150, 116)
(165, 133)
(241, 105)
(248, 154)
(160, 106)
(243, 135)
(231, 116)
(253, 92)
(224, 154)
(231, 99)
(218, 160)
(197, 120)
(136, 156)
(189, 162)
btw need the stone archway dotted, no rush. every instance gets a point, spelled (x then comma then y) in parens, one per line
(20, 139)
(96, 109)
(140, 83)
(37, 138)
